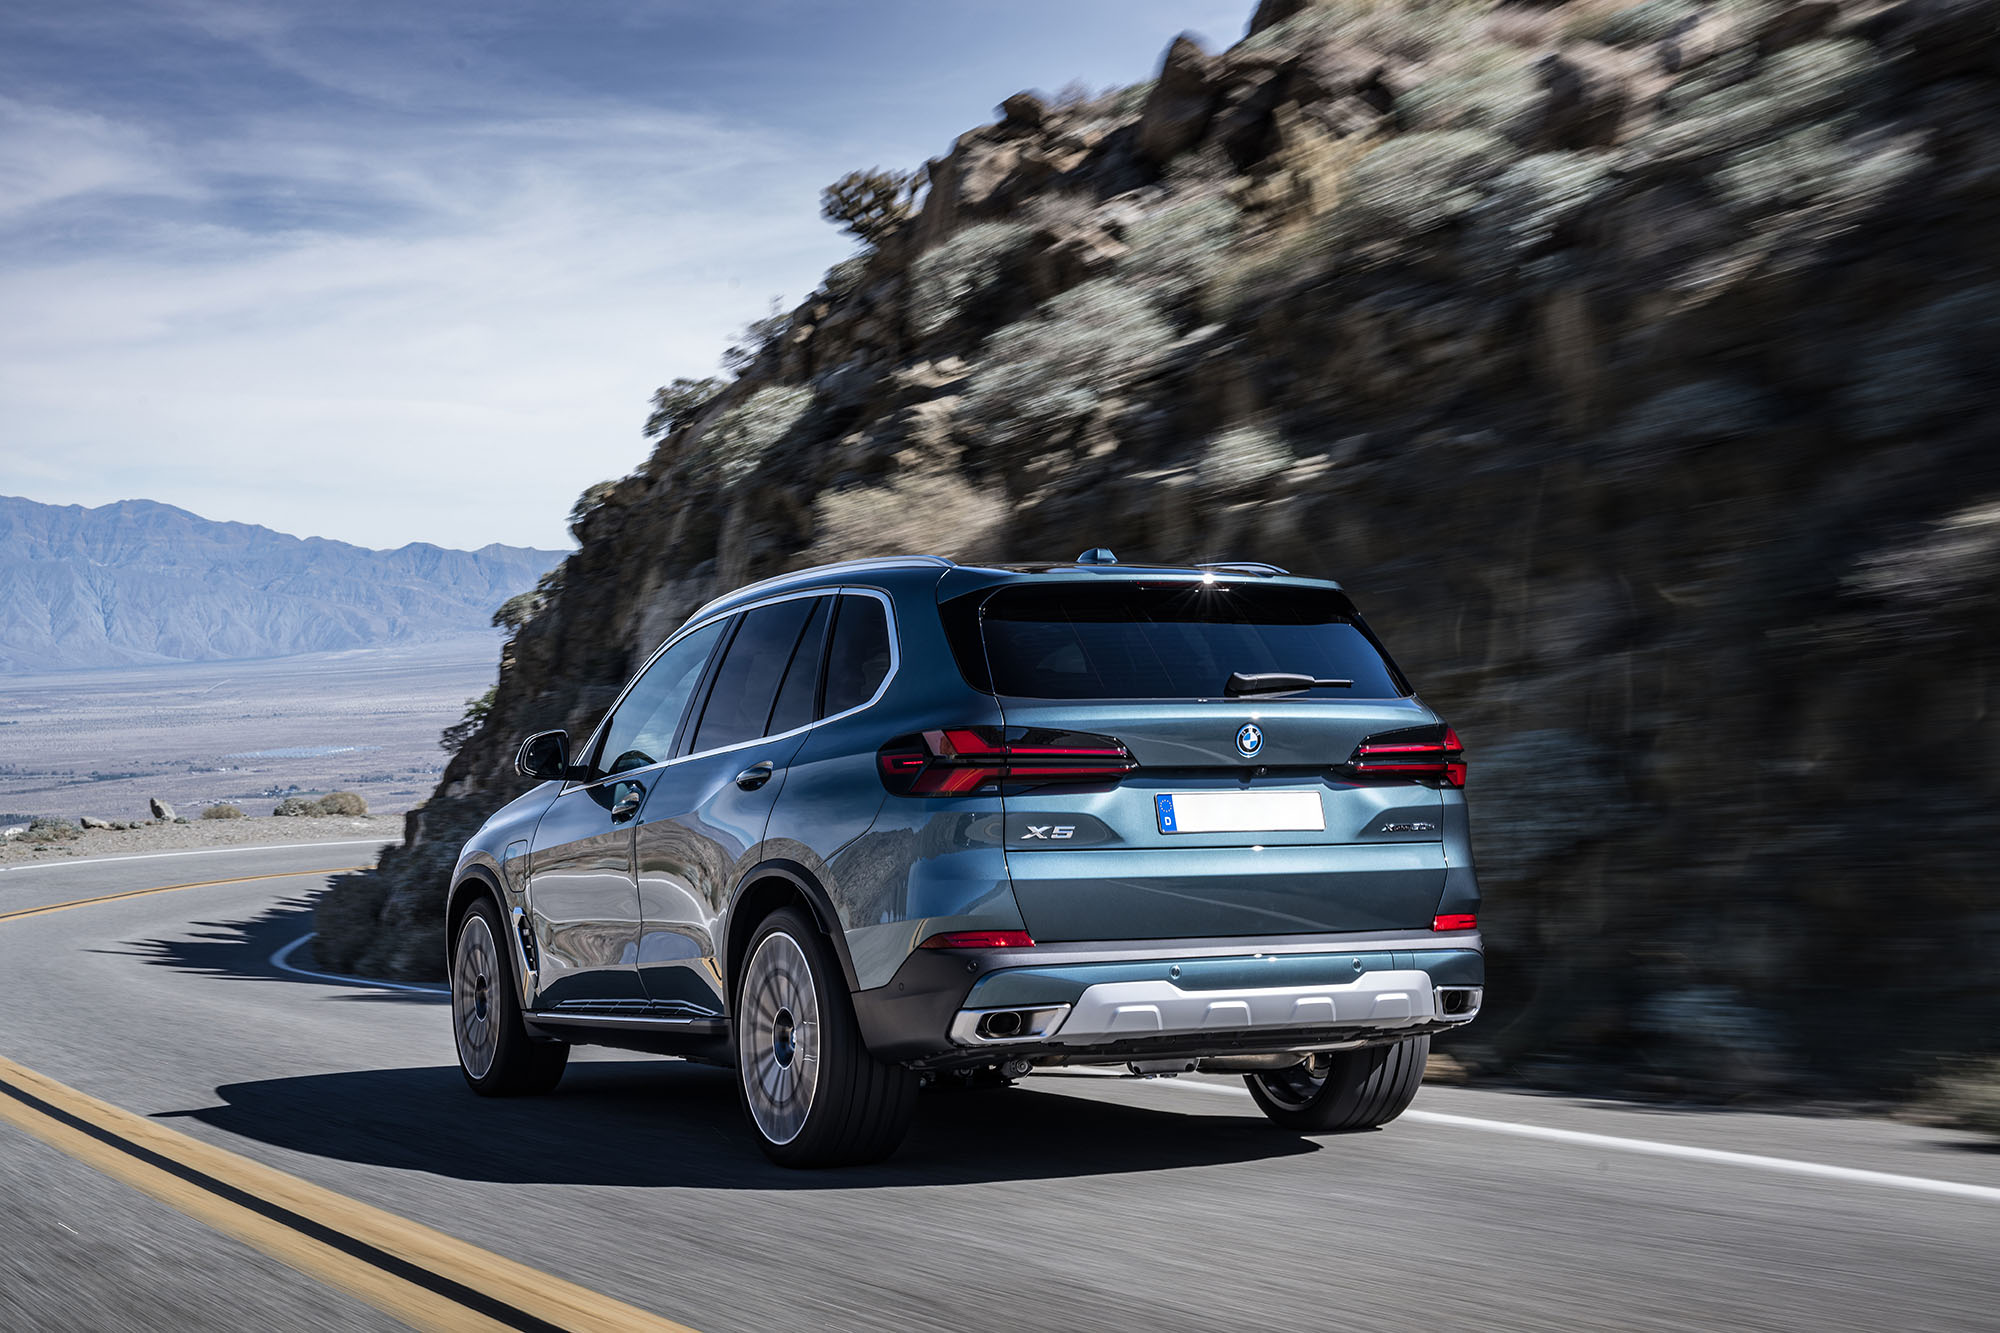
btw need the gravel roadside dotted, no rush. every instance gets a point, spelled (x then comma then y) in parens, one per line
(251, 831)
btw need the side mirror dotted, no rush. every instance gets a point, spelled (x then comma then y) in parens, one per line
(544, 755)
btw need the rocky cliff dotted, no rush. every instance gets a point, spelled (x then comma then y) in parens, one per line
(1631, 364)
(138, 582)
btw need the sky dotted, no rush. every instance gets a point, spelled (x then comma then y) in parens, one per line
(393, 272)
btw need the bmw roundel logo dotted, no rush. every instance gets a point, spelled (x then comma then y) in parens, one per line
(1250, 739)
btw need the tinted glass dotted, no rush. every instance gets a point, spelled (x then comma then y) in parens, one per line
(746, 682)
(795, 697)
(1179, 641)
(641, 732)
(857, 660)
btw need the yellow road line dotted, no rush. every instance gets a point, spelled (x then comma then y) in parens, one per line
(426, 1278)
(423, 1277)
(167, 888)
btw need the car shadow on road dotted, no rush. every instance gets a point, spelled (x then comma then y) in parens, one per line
(243, 950)
(666, 1123)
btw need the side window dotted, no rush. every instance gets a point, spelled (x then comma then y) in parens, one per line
(746, 681)
(857, 660)
(797, 695)
(641, 731)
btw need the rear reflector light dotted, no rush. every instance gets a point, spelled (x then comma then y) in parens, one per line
(980, 939)
(951, 761)
(1456, 921)
(1414, 752)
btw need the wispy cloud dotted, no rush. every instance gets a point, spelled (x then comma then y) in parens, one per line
(393, 280)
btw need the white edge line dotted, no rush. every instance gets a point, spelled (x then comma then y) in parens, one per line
(282, 960)
(194, 851)
(1650, 1147)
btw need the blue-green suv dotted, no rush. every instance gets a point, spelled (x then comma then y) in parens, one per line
(876, 824)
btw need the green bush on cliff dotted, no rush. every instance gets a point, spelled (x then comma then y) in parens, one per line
(1416, 183)
(869, 204)
(1737, 100)
(519, 609)
(677, 404)
(1244, 456)
(1636, 25)
(1180, 249)
(1410, 30)
(1529, 205)
(594, 498)
(477, 709)
(1483, 91)
(949, 278)
(1041, 377)
(741, 436)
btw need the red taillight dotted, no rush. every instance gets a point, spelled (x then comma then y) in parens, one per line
(980, 939)
(1456, 921)
(952, 761)
(1414, 752)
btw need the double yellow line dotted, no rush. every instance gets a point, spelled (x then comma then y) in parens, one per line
(426, 1278)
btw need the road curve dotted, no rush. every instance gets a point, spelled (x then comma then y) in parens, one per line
(634, 1194)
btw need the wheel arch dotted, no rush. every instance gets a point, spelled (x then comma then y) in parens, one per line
(473, 882)
(762, 891)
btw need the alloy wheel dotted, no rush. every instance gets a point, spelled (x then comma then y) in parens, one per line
(474, 1022)
(778, 1038)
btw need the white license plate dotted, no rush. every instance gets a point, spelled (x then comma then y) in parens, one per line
(1240, 812)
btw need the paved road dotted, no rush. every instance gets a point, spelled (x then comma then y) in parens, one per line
(1071, 1202)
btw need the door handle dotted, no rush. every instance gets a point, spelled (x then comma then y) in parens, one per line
(755, 776)
(630, 795)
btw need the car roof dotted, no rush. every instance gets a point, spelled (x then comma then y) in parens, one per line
(966, 578)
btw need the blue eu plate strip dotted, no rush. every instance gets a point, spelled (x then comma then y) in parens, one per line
(1165, 805)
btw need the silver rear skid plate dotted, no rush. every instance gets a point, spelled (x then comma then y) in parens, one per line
(1125, 1010)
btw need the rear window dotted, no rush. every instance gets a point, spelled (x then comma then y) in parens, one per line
(1170, 641)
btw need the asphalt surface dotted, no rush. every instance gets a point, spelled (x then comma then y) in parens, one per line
(1071, 1201)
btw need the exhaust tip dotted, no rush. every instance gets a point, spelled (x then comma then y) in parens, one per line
(977, 1027)
(1006, 1023)
(1459, 1003)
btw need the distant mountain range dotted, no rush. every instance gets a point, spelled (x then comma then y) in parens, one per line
(137, 582)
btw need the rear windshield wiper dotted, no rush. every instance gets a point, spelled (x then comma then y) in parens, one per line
(1278, 682)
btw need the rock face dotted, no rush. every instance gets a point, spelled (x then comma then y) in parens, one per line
(138, 582)
(1634, 369)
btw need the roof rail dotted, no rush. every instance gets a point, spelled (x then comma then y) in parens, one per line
(838, 567)
(1243, 566)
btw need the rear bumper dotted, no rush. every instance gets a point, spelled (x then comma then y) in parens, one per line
(1182, 998)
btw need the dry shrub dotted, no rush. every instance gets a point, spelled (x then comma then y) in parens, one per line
(342, 803)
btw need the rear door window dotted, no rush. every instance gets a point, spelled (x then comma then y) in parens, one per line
(1174, 641)
(746, 680)
(857, 659)
(800, 690)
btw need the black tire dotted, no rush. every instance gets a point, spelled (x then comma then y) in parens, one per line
(812, 1092)
(495, 1052)
(1359, 1089)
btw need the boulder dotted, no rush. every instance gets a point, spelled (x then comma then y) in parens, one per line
(1023, 113)
(1182, 100)
(92, 821)
(161, 810)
